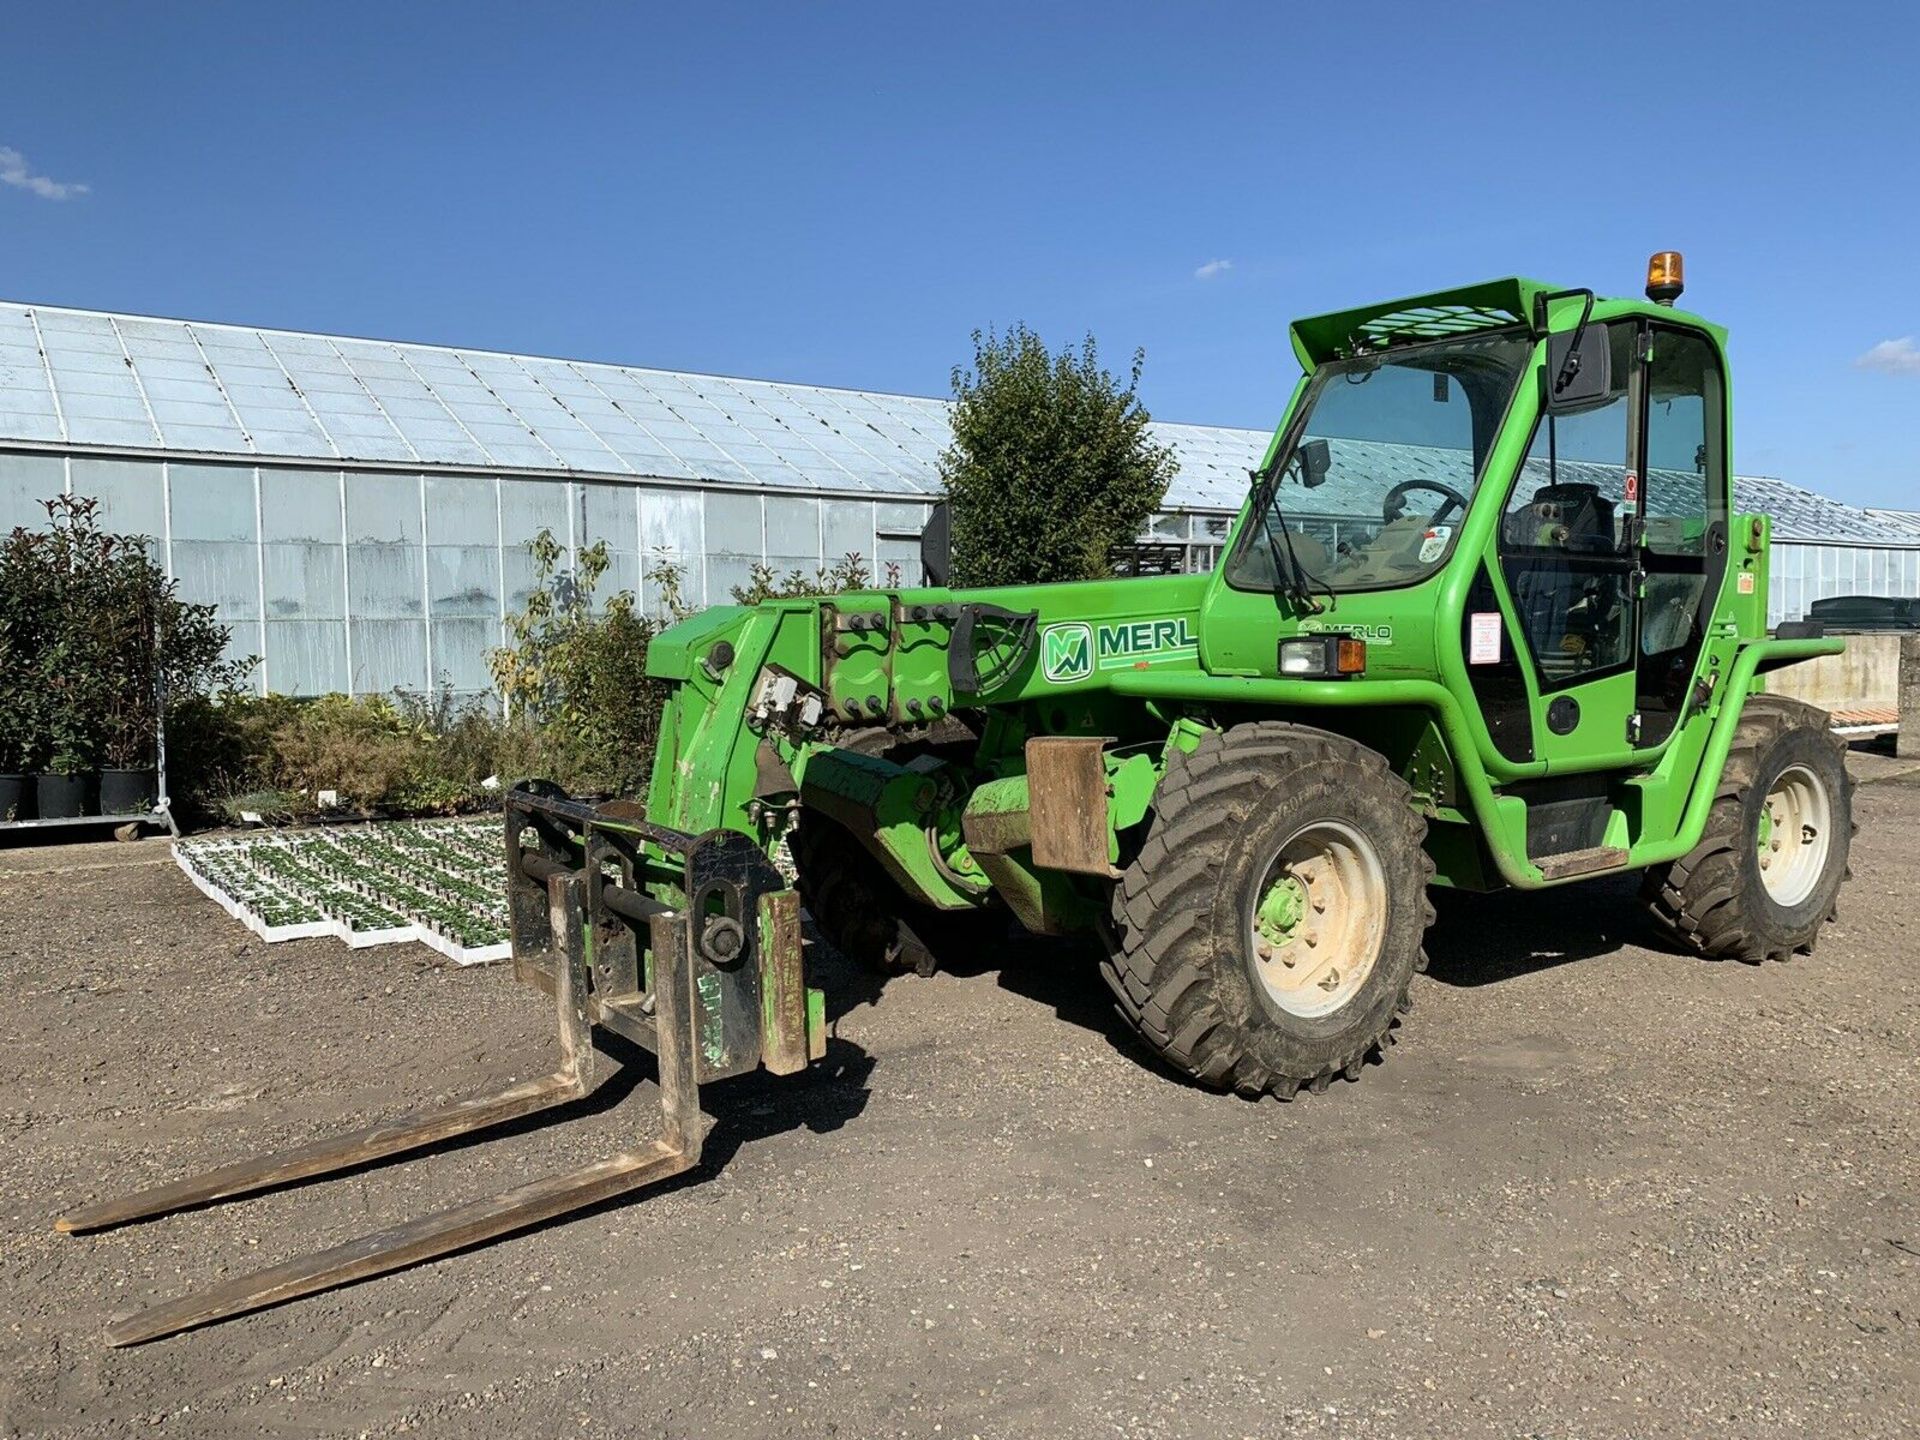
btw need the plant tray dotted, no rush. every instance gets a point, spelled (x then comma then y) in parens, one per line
(440, 882)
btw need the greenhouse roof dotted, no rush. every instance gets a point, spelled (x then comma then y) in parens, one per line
(123, 383)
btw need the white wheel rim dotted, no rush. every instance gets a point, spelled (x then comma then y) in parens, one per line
(1318, 919)
(1795, 834)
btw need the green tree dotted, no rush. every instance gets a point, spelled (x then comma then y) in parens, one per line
(1051, 462)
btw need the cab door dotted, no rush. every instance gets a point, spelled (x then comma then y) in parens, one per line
(1568, 564)
(1611, 546)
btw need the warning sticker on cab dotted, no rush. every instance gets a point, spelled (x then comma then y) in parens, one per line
(1483, 637)
(1434, 543)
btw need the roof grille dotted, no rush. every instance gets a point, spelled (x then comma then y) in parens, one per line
(1428, 322)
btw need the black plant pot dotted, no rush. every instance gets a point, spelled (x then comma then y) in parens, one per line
(128, 792)
(64, 797)
(13, 798)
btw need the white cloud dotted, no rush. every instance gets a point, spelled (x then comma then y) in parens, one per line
(15, 171)
(1894, 357)
(1213, 269)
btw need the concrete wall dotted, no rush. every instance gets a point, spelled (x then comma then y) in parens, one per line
(1865, 676)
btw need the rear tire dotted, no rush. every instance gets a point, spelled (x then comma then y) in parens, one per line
(1767, 872)
(1265, 935)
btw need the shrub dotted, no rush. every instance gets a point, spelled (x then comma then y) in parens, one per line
(91, 632)
(573, 676)
(1051, 463)
(274, 756)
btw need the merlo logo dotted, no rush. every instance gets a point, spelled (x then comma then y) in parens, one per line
(1066, 652)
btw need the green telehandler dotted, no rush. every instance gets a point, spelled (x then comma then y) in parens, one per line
(1486, 620)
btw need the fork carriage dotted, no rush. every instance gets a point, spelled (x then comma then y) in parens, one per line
(710, 980)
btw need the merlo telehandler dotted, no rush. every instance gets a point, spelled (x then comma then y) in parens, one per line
(1487, 619)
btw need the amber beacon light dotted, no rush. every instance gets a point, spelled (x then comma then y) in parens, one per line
(1666, 277)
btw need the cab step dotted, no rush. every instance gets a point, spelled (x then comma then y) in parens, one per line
(1581, 862)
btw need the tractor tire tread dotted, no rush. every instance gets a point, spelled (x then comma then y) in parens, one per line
(1159, 957)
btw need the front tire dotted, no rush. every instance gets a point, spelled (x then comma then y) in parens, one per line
(1766, 874)
(1265, 935)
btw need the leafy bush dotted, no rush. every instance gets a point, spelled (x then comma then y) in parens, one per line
(91, 632)
(573, 675)
(1051, 463)
(274, 756)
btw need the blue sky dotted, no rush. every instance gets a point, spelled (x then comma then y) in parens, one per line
(840, 193)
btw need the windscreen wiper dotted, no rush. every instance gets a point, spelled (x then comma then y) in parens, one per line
(1290, 576)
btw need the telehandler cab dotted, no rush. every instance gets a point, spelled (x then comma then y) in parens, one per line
(1486, 620)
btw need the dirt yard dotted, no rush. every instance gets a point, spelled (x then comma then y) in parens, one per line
(1597, 1190)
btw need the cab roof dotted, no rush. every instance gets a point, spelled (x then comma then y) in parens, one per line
(1490, 305)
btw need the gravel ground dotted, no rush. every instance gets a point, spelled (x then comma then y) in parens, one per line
(1597, 1190)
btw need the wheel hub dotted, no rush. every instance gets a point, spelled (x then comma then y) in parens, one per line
(1794, 835)
(1319, 919)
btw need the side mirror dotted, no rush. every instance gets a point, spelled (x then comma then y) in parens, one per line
(1577, 378)
(1315, 461)
(936, 546)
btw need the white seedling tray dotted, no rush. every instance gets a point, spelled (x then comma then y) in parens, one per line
(339, 929)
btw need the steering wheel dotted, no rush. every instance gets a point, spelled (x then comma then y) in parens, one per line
(1394, 502)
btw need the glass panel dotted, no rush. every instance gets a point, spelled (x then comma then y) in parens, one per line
(131, 493)
(793, 531)
(462, 510)
(300, 505)
(219, 572)
(670, 520)
(847, 527)
(1381, 467)
(26, 480)
(383, 508)
(894, 519)
(306, 657)
(733, 525)
(1684, 372)
(1683, 385)
(384, 582)
(388, 655)
(899, 563)
(726, 573)
(528, 505)
(609, 513)
(211, 502)
(464, 580)
(460, 653)
(1560, 538)
(304, 580)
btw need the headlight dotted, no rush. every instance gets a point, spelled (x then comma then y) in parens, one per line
(1323, 656)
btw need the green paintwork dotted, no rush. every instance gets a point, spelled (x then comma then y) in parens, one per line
(1280, 909)
(1156, 664)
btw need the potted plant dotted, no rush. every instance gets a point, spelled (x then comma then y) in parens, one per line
(71, 781)
(134, 592)
(93, 637)
(29, 601)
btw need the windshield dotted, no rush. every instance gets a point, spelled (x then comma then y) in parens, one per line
(1376, 477)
